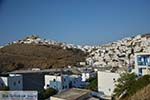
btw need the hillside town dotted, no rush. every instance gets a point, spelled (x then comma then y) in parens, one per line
(120, 53)
(74, 49)
(117, 54)
(104, 63)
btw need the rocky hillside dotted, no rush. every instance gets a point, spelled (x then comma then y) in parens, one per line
(36, 54)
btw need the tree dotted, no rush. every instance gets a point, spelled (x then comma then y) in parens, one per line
(92, 84)
(128, 84)
(124, 84)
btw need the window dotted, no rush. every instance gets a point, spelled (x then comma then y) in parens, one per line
(66, 87)
(54, 80)
(19, 82)
(14, 83)
(114, 79)
(47, 85)
(2, 84)
(142, 60)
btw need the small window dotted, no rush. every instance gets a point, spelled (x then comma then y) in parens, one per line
(114, 79)
(47, 85)
(2, 84)
(66, 87)
(14, 83)
(19, 82)
(54, 80)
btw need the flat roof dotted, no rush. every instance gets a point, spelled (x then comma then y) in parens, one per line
(72, 94)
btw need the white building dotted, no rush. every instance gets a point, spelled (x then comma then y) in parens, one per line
(58, 82)
(82, 63)
(142, 63)
(106, 82)
(63, 82)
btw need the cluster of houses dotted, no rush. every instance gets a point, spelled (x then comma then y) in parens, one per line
(120, 53)
(38, 80)
(107, 78)
(128, 52)
(43, 79)
(35, 39)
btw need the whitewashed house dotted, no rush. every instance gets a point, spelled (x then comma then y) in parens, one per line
(63, 82)
(106, 82)
(82, 63)
(58, 82)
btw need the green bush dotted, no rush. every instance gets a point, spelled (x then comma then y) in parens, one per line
(129, 84)
(47, 93)
(140, 83)
(124, 83)
(92, 84)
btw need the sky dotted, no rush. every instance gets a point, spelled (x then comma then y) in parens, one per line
(83, 22)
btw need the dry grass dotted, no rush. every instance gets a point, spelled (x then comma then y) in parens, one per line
(24, 56)
(143, 94)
